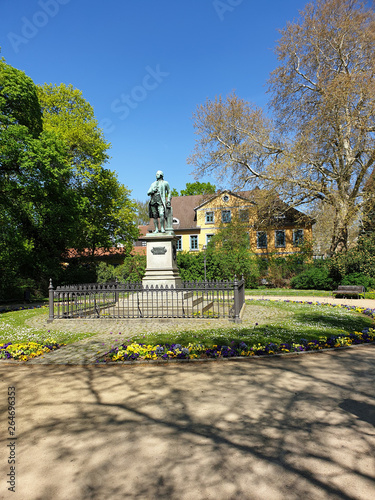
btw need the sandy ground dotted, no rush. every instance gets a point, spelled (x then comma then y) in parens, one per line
(296, 427)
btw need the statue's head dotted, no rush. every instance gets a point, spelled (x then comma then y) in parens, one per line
(159, 174)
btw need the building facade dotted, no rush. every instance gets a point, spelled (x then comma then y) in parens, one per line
(271, 225)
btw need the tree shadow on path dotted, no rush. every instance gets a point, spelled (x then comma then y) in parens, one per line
(275, 428)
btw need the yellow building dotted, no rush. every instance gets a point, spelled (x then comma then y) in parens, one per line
(273, 226)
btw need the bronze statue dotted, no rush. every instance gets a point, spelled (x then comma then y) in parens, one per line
(160, 203)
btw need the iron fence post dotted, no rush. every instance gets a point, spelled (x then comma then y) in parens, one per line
(50, 302)
(236, 300)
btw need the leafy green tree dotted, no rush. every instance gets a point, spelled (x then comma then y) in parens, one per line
(368, 215)
(19, 105)
(357, 265)
(108, 215)
(231, 247)
(37, 205)
(143, 216)
(71, 117)
(54, 190)
(132, 269)
(193, 188)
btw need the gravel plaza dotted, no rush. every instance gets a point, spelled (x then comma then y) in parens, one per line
(288, 427)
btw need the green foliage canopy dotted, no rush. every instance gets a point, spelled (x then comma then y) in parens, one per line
(107, 212)
(54, 190)
(194, 188)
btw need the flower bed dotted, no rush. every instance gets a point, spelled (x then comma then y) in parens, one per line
(27, 350)
(134, 352)
(362, 310)
(7, 309)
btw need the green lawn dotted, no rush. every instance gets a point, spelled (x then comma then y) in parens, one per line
(286, 322)
(14, 328)
(271, 322)
(288, 292)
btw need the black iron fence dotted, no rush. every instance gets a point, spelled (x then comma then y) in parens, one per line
(202, 299)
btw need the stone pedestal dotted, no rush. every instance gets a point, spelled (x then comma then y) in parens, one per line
(161, 267)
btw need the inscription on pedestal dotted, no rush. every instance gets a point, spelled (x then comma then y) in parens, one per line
(158, 250)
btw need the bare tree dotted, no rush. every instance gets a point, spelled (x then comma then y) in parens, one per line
(320, 144)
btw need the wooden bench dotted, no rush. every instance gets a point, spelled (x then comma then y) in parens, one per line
(350, 290)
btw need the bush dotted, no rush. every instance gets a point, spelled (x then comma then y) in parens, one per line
(191, 266)
(357, 265)
(359, 279)
(133, 269)
(220, 265)
(279, 270)
(78, 272)
(316, 277)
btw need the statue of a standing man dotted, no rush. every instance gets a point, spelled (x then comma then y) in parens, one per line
(160, 202)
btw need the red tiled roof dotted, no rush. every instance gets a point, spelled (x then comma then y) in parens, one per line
(139, 250)
(72, 253)
(183, 210)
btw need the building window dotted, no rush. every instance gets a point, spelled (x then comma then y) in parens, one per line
(179, 243)
(208, 238)
(209, 217)
(261, 239)
(244, 215)
(193, 242)
(225, 198)
(279, 238)
(297, 237)
(225, 216)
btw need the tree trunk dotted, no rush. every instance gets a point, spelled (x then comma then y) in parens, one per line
(340, 233)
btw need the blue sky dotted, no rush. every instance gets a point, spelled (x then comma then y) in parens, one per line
(144, 65)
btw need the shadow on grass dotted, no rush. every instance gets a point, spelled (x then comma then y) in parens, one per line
(302, 325)
(349, 322)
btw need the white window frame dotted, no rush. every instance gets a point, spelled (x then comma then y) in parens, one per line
(179, 244)
(194, 237)
(209, 215)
